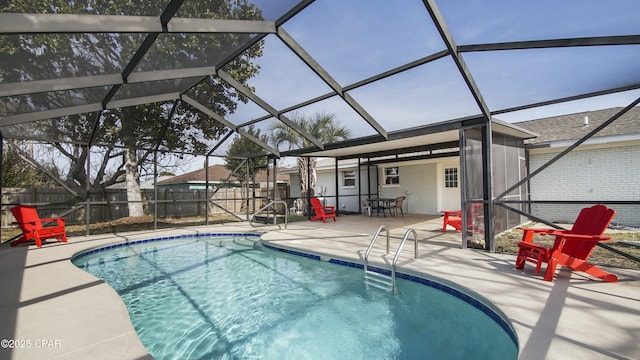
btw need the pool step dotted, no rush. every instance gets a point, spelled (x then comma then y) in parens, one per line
(381, 281)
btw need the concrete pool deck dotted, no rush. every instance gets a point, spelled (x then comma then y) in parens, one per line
(54, 310)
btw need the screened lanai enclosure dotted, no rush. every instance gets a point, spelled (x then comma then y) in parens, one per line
(95, 93)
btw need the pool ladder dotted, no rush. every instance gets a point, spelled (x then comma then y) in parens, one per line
(268, 206)
(378, 279)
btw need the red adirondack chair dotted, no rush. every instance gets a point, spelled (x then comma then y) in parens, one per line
(454, 218)
(322, 212)
(36, 229)
(572, 247)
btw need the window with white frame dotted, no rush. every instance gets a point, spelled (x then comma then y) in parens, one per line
(391, 175)
(451, 177)
(349, 178)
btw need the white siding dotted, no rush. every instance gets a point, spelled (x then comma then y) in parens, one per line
(419, 183)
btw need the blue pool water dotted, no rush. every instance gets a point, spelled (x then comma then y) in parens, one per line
(223, 297)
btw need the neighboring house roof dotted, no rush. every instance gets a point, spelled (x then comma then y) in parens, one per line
(324, 164)
(217, 173)
(572, 127)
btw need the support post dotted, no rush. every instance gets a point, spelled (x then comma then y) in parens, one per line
(88, 204)
(337, 187)
(246, 185)
(206, 189)
(463, 181)
(487, 188)
(275, 190)
(155, 190)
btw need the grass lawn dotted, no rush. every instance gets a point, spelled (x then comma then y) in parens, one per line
(507, 243)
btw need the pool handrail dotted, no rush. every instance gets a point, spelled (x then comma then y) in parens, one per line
(373, 241)
(373, 278)
(389, 281)
(272, 203)
(395, 258)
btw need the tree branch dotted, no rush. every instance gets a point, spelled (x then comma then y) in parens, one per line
(29, 160)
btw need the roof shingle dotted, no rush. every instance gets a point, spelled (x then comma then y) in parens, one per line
(572, 127)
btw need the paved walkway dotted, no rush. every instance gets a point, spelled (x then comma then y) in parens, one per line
(56, 310)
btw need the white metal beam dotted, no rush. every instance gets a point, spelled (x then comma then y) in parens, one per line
(82, 109)
(157, 75)
(49, 114)
(21, 23)
(17, 23)
(191, 25)
(114, 104)
(40, 86)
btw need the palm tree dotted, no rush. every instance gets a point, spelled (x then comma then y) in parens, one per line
(324, 127)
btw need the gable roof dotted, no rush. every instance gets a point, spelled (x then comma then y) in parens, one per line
(217, 173)
(572, 126)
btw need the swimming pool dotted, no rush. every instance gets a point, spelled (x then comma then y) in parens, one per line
(225, 296)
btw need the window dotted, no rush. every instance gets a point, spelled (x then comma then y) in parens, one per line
(451, 177)
(349, 178)
(391, 176)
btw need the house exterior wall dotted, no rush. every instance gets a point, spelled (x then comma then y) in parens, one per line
(348, 196)
(592, 173)
(326, 187)
(419, 183)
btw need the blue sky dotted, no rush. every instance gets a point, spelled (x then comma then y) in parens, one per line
(356, 39)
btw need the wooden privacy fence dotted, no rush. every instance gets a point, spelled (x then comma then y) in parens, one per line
(112, 204)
